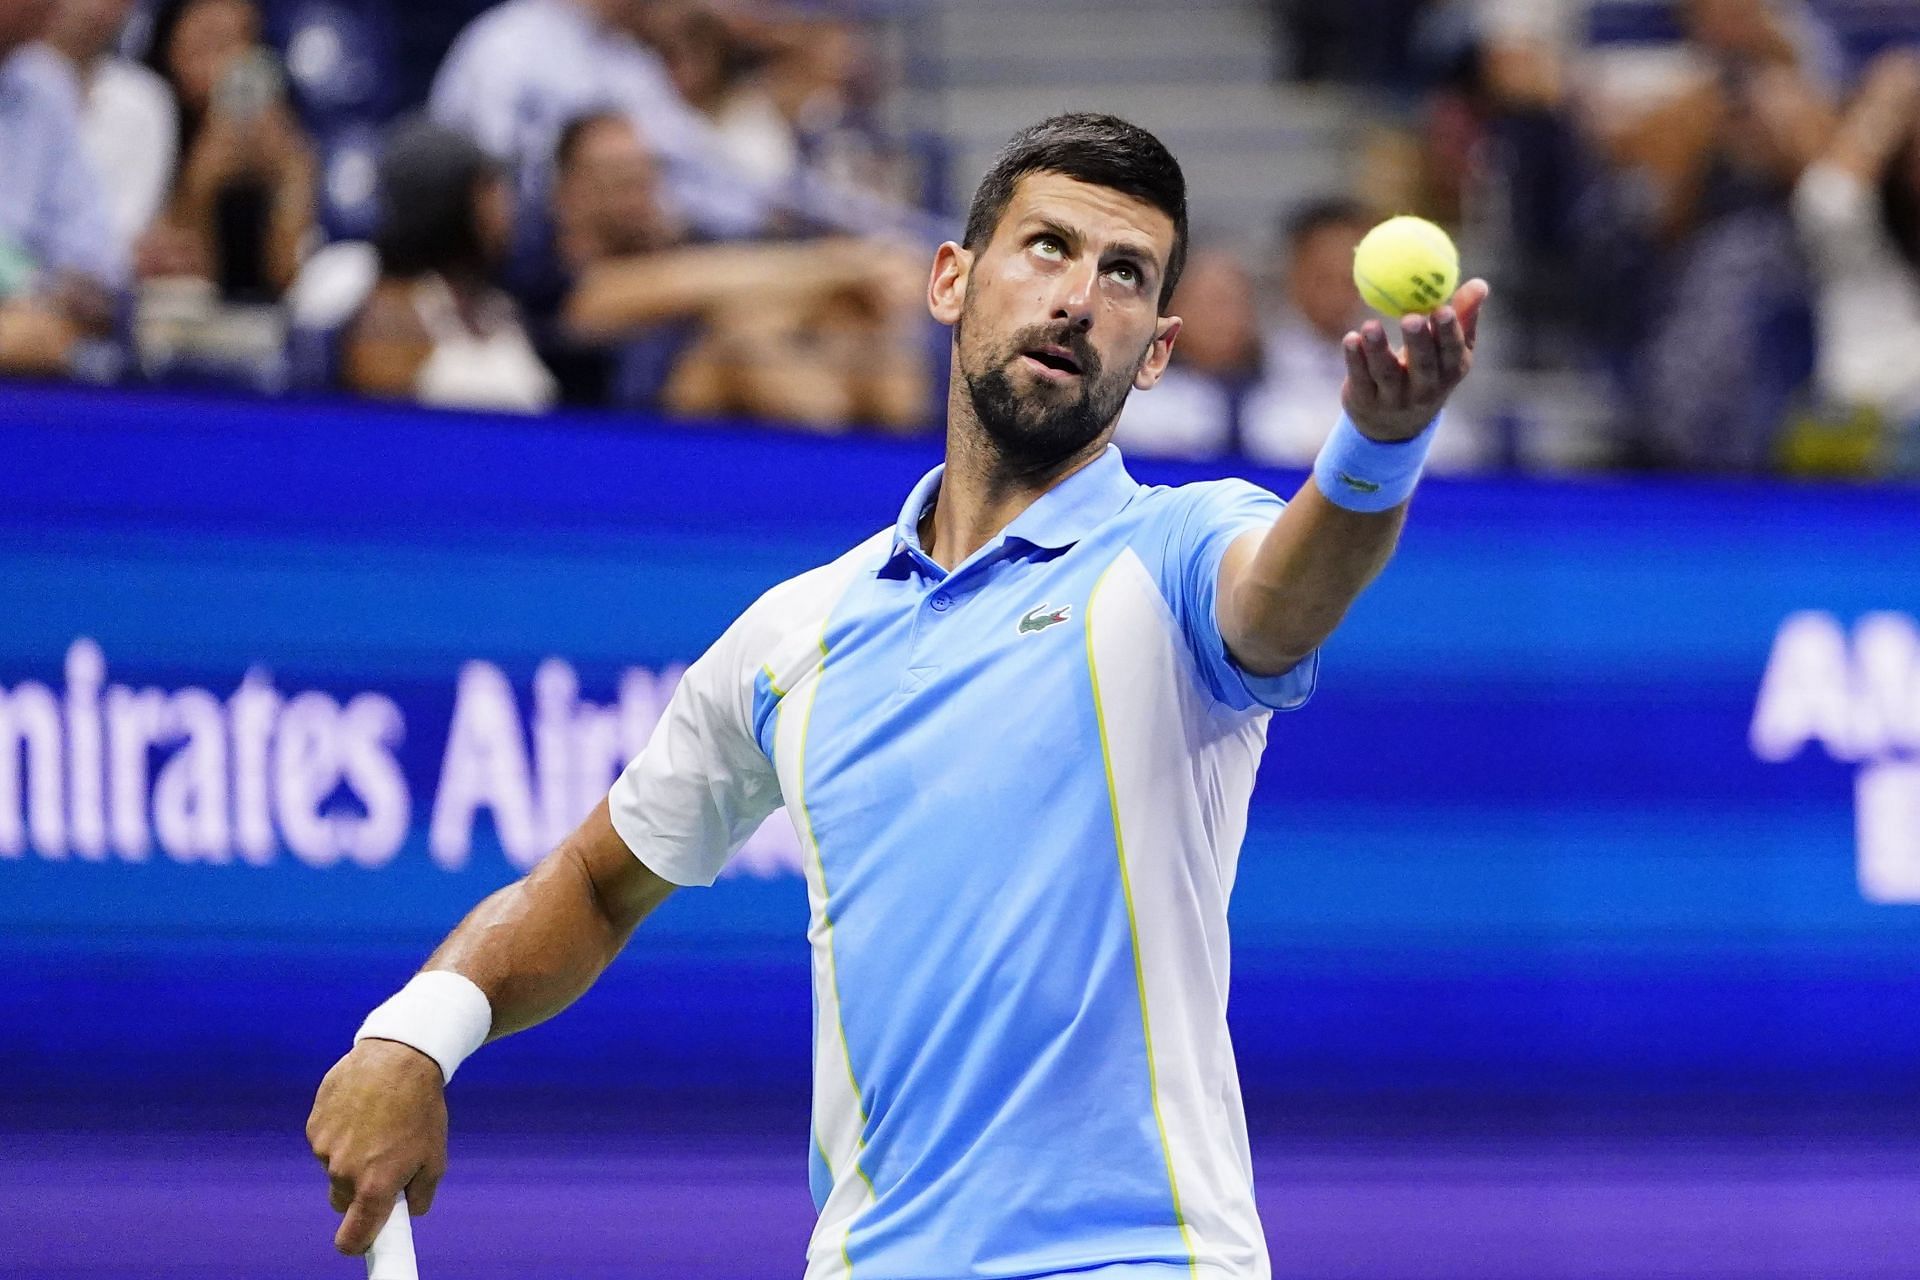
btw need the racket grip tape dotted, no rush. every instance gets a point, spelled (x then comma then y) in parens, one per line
(391, 1257)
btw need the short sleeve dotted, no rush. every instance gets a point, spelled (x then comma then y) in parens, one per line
(1204, 521)
(702, 785)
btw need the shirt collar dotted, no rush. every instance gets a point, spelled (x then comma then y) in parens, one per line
(1059, 518)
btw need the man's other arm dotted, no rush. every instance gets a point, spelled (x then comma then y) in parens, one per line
(1283, 590)
(379, 1121)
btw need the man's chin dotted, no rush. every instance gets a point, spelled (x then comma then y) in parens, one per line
(1040, 446)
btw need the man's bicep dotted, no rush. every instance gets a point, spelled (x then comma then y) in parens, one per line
(1222, 529)
(1234, 564)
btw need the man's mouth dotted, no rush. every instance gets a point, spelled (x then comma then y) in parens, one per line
(1052, 362)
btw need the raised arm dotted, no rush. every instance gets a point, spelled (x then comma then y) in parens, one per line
(615, 297)
(379, 1121)
(1284, 590)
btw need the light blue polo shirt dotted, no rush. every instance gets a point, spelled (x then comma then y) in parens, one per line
(1021, 789)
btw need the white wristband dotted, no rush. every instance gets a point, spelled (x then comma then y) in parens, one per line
(440, 1013)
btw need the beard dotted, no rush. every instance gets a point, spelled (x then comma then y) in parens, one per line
(1051, 423)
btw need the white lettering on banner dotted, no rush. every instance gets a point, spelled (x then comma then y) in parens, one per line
(485, 765)
(1858, 701)
(1887, 815)
(106, 770)
(30, 729)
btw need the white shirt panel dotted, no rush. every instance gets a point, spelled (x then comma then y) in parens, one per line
(703, 784)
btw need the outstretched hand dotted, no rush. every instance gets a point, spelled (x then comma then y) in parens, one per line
(1392, 397)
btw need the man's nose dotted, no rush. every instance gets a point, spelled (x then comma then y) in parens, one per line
(1074, 300)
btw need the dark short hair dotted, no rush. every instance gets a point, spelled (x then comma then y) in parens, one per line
(430, 180)
(1100, 150)
(567, 147)
(1317, 215)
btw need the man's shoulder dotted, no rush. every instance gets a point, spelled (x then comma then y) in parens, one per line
(44, 78)
(806, 600)
(523, 32)
(131, 85)
(513, 17)
(1170, 508)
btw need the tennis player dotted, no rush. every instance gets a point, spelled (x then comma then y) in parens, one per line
(1017, 730)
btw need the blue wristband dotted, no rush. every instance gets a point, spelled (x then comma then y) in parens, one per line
(1361, 474)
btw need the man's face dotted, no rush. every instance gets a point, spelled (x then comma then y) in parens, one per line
(1057, 317)
(88, 25)
(1320, 278)
(23, 21)
(607, 193)
(210, 35)
(1740, 28)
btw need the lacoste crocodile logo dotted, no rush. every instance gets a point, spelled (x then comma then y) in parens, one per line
(1044, 616)
(1363, 486)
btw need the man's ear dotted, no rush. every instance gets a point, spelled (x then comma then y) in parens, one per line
(1158, 354)
(947, 289)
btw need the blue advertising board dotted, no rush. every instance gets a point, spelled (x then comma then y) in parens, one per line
(1610, 789)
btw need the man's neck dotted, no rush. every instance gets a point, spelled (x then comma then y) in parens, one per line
(980, 492)
(82, 63)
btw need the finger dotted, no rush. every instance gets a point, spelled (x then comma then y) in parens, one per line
(1422, 359)
(1361, 393)
(421, 1190)
(1389, 375)
(340, 1194)
(1467, 302)
(1451, 341)
(365, 1216)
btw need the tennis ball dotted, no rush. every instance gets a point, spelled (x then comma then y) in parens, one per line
(1405, 265)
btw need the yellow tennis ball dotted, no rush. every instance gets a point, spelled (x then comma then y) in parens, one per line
(1406, 265)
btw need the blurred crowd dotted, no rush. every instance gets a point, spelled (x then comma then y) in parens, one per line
(1708, 211)
(680, 205)
(1702, 219)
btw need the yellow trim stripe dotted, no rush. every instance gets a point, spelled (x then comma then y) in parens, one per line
(826, 1157)
(1133, 927)
(826, 914)
(773, 681)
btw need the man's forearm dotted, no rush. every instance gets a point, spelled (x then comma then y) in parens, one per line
(615, 297)
(1296, 581)
(535, 946)
(1284, 591)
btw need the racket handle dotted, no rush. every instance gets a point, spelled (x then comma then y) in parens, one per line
(391, 1257)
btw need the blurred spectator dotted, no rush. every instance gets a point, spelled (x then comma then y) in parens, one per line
(242, 209)
(436, 328)
(1353, 41)
(1720, 326)
(129, 124)
(822, 333)
(826, 80)
(1637, 222)
(1858, 208)
(721, 74)
(1297, 402)
(1195, 410)
(525, 68)
(58, 265)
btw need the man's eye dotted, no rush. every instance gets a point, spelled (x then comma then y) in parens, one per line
(1049, 248)
(1125, 274)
